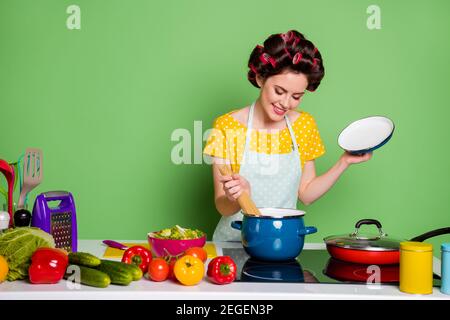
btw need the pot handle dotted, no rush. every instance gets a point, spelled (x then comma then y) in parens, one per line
(433, 233)
(306, 231)
(236, 225)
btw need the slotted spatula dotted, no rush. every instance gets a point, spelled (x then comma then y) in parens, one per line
(32, 173)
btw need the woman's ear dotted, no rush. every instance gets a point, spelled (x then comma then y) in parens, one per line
(260, 80)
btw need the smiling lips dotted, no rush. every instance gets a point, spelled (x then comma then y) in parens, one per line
(278, 111)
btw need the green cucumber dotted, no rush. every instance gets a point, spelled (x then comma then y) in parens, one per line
(132, 269)
(84, 259)
(117, 271)
(89, 276)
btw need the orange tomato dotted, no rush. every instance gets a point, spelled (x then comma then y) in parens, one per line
(197, 252)
(189, 270)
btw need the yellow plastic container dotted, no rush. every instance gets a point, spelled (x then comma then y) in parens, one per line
(416, 267)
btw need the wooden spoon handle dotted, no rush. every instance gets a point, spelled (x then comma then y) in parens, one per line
(245, 202)
(225, 170)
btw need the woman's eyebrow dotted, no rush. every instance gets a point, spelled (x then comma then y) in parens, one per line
(286, 90)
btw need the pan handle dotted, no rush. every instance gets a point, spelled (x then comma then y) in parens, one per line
(433, 233)
(368, 221)
(361, 222)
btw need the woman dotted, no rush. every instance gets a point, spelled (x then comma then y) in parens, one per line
(270, 144)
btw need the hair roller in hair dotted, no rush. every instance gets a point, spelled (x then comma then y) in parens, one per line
(287, 52)
(287, 37)
(266, 58)
(297, 58)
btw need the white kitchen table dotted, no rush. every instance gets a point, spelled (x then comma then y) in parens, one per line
(169, 290)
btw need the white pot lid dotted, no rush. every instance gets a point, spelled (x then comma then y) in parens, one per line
(366, 134)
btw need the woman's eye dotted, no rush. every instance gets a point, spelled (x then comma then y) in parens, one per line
(279, 92)
(296, 98)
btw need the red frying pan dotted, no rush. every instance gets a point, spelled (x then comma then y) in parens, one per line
(371, 249)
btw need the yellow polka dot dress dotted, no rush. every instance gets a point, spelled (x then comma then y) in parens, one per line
(227, 139)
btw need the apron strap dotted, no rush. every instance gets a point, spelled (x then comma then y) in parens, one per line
(250, 125)
(291, 131)
(248, 134)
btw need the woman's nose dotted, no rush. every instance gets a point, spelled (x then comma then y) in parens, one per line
(285, 103)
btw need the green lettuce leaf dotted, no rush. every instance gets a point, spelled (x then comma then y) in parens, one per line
(18, 245)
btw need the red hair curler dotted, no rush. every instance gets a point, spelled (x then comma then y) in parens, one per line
(287, 37)
(266, 58)
(314, 62)
(297, 58)
(287, 52)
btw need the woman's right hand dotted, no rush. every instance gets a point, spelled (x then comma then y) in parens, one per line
(234, 185)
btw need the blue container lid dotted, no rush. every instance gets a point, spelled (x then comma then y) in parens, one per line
(445, 247)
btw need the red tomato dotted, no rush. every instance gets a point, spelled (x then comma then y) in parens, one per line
(158, 269)
(197, 252)
(171, 265)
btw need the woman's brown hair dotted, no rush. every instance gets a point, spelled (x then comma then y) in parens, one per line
(290, 50)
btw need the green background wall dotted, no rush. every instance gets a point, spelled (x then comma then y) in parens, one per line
(103, 101)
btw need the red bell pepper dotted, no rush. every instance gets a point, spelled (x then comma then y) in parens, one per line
(222, 270)
(139, 256)
(48, 265)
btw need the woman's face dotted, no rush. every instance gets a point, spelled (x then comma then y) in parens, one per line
(281, 93)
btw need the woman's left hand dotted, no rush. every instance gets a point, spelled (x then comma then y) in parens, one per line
(349, 158)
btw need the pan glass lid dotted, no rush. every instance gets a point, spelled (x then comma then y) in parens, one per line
(366, 134)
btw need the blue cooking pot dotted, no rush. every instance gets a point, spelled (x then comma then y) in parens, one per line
(275, 235)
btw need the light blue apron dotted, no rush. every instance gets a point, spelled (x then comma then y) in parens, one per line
(274, 181)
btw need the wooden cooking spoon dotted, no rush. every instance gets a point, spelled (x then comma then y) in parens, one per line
(245, 202)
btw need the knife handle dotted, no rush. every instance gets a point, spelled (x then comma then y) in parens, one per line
(115, 244)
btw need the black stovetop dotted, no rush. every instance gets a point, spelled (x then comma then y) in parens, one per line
(312, 266)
